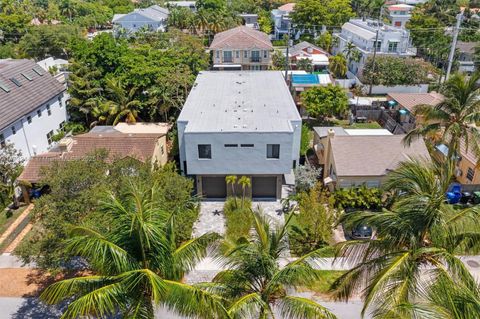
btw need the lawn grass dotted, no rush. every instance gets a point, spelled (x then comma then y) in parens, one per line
(238, 221)
(6, 221)
(343, 123)
(322, 285)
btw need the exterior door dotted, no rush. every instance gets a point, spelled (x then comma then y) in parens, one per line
(264, 187)
(214, 187)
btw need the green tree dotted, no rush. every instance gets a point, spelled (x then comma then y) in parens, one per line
(11, 166)
(232, 181)
(311, 13)
(454, 119)
(338, 65)
(245, 183)
(254, 280)
(325, 41)
(420, 231)
(325, 101)
(135, 262)
(13, 26)
(121, 104)
(305, 64)
(211, 5)
(278, 60)
(265, 22)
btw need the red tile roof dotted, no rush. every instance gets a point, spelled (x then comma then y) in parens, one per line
(241, 38)
(288, 7)
(411, 100)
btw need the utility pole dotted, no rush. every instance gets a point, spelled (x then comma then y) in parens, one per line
(454, 44)
(375, 48)
(286, 54)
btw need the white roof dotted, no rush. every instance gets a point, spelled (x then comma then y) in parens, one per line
(368, 132)
(155, 13)
(239, 101)
(143, 128)
(49, 62)
(359, 31)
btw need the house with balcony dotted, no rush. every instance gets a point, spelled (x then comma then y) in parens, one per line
(362, 33)
(239, 123)
(241, 48)
(281, 20)
(357, 157)
(399, 14)
(314, 54)
(466, 56)
(152, 18)
(32, 106)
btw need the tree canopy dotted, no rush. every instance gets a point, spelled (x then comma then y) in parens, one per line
(325, 101)
(315, 13)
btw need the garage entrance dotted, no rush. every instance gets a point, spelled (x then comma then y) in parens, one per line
(264, 187)
(214, 187)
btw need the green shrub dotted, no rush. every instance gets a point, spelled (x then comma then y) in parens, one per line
(358, 198)
(238, 220)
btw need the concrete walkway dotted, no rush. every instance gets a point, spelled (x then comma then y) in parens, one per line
(210, 219)
(16, 223)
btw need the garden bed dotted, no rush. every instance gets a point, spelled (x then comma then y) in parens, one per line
(239, 219)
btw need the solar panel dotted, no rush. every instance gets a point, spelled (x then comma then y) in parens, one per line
(38, 70)
(4, 87)
(26, 76)
(17, 82)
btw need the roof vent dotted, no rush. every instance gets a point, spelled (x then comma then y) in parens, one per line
(4, 87)
(17, 82)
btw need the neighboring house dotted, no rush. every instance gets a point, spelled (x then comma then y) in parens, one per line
(406, 103)
(361, 157)
(141, 141)
(306, 50)
(184, 4)
(250, 20)
(281, 20)
(241, 48)
(466, 55)
(399, 14)
(57, 68)
(152, 18)
(391, 41)
(32, 106)
(239, 123)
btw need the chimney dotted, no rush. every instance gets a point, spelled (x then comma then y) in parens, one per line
(65, 144)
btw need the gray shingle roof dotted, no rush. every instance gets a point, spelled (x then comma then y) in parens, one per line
(30, 95)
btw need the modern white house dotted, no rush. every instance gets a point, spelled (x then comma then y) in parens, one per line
(239, 123)
(362, 33)
(32, 106)
(399, 14)
(281, 20)
(152, 18)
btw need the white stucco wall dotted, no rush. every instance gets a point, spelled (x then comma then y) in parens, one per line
(31, 138)
(134, 21)
(239, 160)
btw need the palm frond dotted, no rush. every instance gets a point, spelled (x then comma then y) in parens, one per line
(303, 308)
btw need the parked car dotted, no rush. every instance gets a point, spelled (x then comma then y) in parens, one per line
(362, 232)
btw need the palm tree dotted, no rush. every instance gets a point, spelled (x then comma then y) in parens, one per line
(305, 64)
(245, 182)
(254, 281)
(349, 49)
(415, 243)
(452, 122)
(134, 262)
(122, 105)
(232, 180)
(338, 65)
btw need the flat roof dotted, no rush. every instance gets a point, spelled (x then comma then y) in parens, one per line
(368, 132)
(239, 101)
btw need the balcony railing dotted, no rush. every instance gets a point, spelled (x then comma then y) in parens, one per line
(227, 59)
(255, 59)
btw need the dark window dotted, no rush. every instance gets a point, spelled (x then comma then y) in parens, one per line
(29, 119)
(60, 101)
(247, 145)
(49, 137)
(294, 164)
(185, 167)
(38, 70)
(49, 112)
(14, 131)
(273, 150)
(61, 126)
(470, 174)
(2, 141)
(39, 113)
(205, 151)
(231, 145)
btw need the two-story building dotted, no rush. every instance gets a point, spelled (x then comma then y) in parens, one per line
(399, 14)
(32, 106)
(362, 33)
(241, 48)
(281, 20)
(239, 123)
(152, 18)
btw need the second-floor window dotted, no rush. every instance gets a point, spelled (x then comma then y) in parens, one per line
(245, 54)
(14, 130)
(255, 56)
(2, 141)
(227, 56)
(49, 137)
(470, 174)
(39, 113)
(218, 54)
(237, 54)
(49, 112)
(29, 119)
(392, 46)
(378, 45)
(273, 150)
(204, 151)
(265, 53)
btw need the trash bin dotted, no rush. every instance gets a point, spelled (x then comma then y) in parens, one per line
(476, 197)
(466, 197)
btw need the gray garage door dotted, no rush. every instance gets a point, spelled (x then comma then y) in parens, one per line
(214, 187)
(264, 187)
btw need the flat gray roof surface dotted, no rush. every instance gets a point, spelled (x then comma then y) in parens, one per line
(242, 101)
